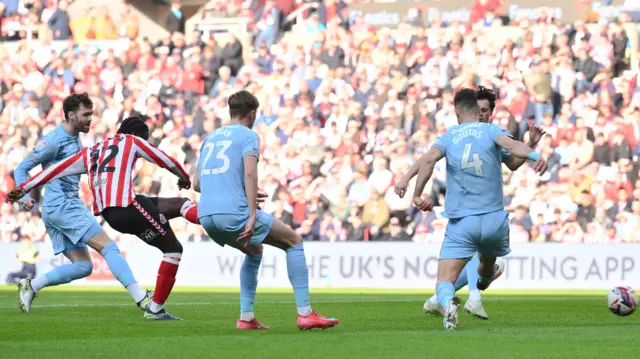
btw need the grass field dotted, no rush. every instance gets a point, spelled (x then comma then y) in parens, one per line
(77, 322)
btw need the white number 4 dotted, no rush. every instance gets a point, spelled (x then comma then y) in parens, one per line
(476, 163)
(210, 147)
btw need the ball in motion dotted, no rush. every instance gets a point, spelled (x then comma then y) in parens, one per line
(622, 301)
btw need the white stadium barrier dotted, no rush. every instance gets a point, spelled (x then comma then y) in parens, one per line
(367, 265)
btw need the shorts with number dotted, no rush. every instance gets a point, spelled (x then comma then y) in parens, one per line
(70, 225)
(487, 233)
(224, 229)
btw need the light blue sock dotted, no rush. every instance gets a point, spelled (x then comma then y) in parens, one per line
(462, 279)
(299, 277)
(118, 265)
(68, 272)
(445, 291)
(472, 272)
(249, 282)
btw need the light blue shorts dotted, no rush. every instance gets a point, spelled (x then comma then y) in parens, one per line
(224, 229)
(487, 233)
(70, 225)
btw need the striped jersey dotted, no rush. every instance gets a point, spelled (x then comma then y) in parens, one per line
(109, 165)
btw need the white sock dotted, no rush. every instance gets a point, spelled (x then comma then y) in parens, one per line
(474, 295)
(434, 299)
(247, 316)
(155, 307)
(304, 310)
(39, 282)
(136, 292)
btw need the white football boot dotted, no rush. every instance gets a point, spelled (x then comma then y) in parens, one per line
(26, 295)
(433, 308)
(450, 319)
(474, 307)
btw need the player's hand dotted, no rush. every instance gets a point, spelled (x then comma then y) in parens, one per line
(28, 204)
(248, 231)
(541, 166)
(535, 134)
(423, 204)
(262, 196)
(401, 188)
(184, 183)
(15, 195)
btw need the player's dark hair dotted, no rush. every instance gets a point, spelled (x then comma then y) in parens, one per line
(134, 126)
(72, 103)
(241, 103)
(466, 101)
(484, 93)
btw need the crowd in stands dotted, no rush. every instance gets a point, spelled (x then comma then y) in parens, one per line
(347, 108)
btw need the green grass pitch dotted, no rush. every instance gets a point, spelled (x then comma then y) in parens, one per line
(82, 322)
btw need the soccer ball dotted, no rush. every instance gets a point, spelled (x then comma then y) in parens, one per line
(622, 301)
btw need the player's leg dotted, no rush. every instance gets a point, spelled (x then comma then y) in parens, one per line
(175, 207)
(283, 237)
(493, 243)
(458, 247)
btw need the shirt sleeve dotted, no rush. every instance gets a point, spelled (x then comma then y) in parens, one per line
(155, 155)
(45, 150)
(251, 146)
(495, 131)
(442, 143)
(69, 166)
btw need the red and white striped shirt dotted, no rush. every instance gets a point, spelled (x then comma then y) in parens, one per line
(109, 165)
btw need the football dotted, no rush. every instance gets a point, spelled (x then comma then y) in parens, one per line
(622, 301)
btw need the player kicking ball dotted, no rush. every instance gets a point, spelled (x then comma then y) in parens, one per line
(109, 165)
(68, 222)
(474, 198)
(486, 105)
(229, 160)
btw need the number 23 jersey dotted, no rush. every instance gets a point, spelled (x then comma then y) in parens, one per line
(474, 169)
(221, 170)
(109, 166)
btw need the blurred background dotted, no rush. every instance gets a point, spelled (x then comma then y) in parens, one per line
(351, 93)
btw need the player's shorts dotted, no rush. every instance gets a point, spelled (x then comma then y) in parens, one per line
(70, 225)
(141, 219)
(224, 229)
(487, 233)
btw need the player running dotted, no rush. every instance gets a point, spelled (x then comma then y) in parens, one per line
(486, 104)
(474, 199)
(109, 165)
(68, 222)
(229, 160)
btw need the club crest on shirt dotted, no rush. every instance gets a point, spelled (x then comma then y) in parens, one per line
(163, 219)
(41, 145)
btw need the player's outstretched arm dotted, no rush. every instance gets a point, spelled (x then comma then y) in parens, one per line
(155, 155)
(521, 150)
(535, 135)
(44, 151)
(69, 166)
(401, 186)
(426, 170)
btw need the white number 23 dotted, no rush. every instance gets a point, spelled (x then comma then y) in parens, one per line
(222, 146)
(475, 163)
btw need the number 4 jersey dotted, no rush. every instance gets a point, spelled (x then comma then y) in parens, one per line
(221, 170)
(109, 165)
(474, 169)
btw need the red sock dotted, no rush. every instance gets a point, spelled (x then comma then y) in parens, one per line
(166, 277)
(189, 211)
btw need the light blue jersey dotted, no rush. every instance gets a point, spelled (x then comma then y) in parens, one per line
(474, 169)
(68, 222)
(223, 208)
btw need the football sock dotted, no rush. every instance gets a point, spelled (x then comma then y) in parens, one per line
(249, 283)
(118, 265)
(485, 280)
(445, 291)
(136, 292)
(471, 269)
(462, 279)
(189, 211)
(299, 277)
(63, 274)
(165, 281)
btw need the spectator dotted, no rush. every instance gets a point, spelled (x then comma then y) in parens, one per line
(59, 23)
(175, 21)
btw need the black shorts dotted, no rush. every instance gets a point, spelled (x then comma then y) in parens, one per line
(141, 218)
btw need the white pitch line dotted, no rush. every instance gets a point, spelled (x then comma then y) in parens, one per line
(500, 298)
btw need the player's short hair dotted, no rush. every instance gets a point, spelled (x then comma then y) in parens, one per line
(73, 102)
(484, 93)
(466, 101)
(241, 103)
(133, 125)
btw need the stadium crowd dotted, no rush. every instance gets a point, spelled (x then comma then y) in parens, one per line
(347, 111)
